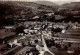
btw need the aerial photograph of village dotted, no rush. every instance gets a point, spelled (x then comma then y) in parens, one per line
(39, 27)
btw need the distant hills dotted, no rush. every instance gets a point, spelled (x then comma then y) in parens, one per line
(18, 6)
(43, 4)
(27, 10)
(48, 3)
(73, 5)
(16, 10)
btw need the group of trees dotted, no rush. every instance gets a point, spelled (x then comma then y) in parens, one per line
(69, 14)
(19, 29)
(5, 11)
(50, 42)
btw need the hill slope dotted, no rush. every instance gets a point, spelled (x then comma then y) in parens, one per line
(48, 3)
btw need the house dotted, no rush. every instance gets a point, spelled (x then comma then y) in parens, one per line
(28, 31)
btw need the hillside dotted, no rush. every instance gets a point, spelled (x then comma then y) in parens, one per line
(16, 10)
(72, 5)
(33, 7)
(48, 3)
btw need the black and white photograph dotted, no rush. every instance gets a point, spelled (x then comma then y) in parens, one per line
(39, 27)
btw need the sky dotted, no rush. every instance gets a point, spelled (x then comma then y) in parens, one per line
(58, 1)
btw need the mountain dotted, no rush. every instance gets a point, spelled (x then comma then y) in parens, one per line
(32, 5)
(18, 8)
(72, 5)
(48, 3)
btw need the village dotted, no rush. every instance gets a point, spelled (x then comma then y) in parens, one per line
(47, 33)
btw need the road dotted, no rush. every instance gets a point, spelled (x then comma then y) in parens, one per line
(45, 46)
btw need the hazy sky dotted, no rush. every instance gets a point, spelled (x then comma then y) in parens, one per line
(58, 1)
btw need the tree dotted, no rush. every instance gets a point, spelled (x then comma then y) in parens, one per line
(19, 29)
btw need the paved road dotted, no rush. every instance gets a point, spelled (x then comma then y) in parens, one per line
(45, 46)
